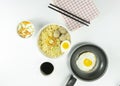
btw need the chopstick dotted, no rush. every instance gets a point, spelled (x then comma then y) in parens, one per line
(70, 13)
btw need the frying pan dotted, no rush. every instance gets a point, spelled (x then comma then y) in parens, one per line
(98, 70)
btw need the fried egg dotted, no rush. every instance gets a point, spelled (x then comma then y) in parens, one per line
(65, 45)
(86, 61)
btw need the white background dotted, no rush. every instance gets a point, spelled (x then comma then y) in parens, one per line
(20, 58)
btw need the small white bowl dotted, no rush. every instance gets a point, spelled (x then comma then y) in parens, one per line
(25, 29)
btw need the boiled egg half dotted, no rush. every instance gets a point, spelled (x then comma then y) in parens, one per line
(65, 45)
(86, 61)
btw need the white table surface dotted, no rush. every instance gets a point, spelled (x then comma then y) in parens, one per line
(20, 58)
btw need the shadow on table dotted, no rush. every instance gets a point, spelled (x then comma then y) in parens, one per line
(39, 23)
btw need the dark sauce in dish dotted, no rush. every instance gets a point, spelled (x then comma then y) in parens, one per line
(46, 68)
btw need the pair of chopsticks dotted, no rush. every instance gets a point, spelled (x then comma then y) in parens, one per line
(68, 14)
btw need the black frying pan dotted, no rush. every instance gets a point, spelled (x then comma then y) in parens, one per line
(96, 72)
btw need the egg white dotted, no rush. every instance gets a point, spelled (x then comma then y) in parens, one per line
(80, 62)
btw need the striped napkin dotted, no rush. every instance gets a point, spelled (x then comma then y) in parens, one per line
(85, 9)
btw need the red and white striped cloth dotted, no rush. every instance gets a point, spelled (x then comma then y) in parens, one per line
(85, 9)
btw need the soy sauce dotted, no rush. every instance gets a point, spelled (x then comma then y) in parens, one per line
(46, 68)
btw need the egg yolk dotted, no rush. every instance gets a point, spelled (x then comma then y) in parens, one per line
(65, 45)
(87, 62)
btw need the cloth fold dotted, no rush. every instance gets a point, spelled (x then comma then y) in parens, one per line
(85, 9)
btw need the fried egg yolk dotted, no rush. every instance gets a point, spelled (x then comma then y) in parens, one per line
(87, 62)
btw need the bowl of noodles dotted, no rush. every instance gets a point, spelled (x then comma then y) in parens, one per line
(53, 40)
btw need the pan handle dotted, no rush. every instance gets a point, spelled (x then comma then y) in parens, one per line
(71, 81)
